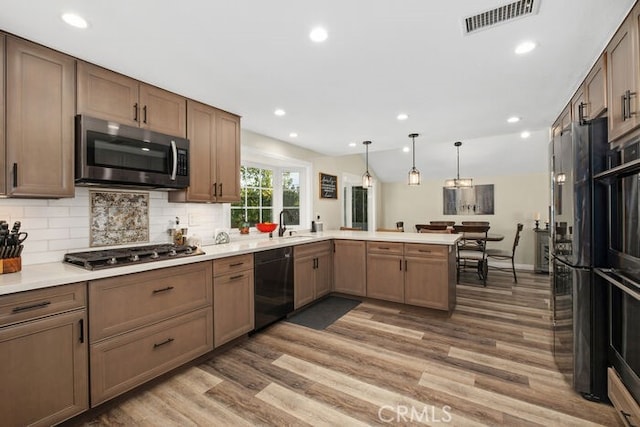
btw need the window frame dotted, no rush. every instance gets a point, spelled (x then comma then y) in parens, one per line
(277, 163)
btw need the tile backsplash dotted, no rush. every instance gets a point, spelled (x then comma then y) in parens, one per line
(56, 227)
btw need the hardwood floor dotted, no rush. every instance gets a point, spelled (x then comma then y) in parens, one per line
(489, 363)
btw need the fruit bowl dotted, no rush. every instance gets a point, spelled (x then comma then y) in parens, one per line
(266, 227)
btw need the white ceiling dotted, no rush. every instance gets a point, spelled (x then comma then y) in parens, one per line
(382, 58)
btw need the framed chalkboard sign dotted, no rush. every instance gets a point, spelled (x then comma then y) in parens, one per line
(328, 186)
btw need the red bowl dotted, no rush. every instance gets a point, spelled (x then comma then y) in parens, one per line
(266, 227)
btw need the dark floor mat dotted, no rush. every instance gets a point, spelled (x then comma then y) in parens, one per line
(322, 314)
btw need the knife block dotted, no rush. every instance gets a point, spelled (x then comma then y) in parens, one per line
(10, 265)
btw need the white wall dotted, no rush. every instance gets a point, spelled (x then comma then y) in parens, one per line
(517, 199)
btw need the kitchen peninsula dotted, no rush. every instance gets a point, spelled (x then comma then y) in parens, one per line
(157, 316)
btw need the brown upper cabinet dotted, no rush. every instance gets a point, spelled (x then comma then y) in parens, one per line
(214, 156)
(595, 86)
(565, 118)
(579, 105)
(40, 105)
(590, 100)
(108, 95)
(622, 78)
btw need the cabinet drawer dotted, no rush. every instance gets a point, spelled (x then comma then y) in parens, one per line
(311, 249)
(121, 363)
(231, 264)
(123, 303)
(426, 251)
(622, 399)
(384, 248)
(41, 302)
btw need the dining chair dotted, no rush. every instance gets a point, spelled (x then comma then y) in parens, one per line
(503, 255)
(430, 227)
(472, 250)
(351, 228)
(447, 223)
(445, 231)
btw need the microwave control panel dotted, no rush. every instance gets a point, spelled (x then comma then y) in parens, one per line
(183, 163)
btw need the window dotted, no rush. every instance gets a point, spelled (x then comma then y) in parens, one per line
(265, 191)
(291, 196)
(256, 197)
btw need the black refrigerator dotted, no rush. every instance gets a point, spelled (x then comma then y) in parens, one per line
(578, 244)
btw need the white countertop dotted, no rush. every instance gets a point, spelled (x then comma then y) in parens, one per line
(39, 276)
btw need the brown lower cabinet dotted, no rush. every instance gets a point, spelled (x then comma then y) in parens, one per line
(430, 276)
(416, 274)
(43, 357)
(350, 267)
(145, 324)
(126, 361)
(312, 272)
(233, 296)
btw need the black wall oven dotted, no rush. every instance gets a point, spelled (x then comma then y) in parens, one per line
(623, 260)
(624, 329)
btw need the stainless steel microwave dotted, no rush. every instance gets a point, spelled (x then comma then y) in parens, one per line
(111, 154)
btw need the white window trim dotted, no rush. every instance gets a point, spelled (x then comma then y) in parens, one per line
(253, 157)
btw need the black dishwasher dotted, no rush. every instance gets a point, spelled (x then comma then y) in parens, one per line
(273, 278)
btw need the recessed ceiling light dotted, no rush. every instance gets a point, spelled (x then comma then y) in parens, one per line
(402, 116)
(513, 119)
(318, 35)
(525, 134)
(525, 47)
(352, 144)
(74, 20)
(405, 149)
(293, 135)
(279, 112)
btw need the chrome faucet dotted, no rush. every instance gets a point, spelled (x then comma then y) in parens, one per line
(281, 226)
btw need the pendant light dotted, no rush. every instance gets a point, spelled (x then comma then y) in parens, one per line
(414, 174)
(458, 182)
(367, 179)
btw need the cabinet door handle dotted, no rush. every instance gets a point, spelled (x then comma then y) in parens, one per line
(239, 276)
(81, 324)
(15, 174)
(167, 289)
(383, 248)
(427, 251)
(237, 264)
(215, 189)
(135, 112)
(627, 416)
(30, 307)
(406, 264)
(144, 114)
(626, 105)
(220, 189)
(582, 119)
(400, 265)
(165, 342)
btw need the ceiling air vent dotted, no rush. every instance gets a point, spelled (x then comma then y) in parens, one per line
(499, 15)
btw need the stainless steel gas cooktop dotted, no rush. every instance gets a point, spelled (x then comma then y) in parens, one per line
(96, 260)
